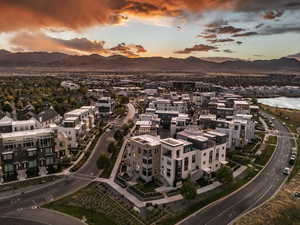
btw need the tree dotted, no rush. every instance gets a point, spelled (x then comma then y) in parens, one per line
(224, 175)
(123, 100)
(111, 147)
(7, 108)
(188, 190)
(118, 135)
(103, 162)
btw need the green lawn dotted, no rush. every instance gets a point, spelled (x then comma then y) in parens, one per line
(266, 154)
(146, 188)
(92, 217)
(272, 140)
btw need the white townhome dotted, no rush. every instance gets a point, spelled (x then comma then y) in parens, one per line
(193, 154)
(105, 106)
(143, 157)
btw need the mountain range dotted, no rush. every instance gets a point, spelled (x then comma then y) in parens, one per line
(10, 60)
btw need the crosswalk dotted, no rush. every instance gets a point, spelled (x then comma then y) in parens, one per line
(83, 176)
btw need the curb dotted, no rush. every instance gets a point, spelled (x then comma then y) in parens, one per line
(232, 193)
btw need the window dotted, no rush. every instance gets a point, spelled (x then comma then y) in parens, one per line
(49, 161)
(178, 153)
(8, 156)
(186, 163)
(8, 168)
(217, 154)
(210, 156)
(48, 151)
(204, 154)
(32, 164)
(168, 172)
(31, 153)
(193, 158)
(204, 162)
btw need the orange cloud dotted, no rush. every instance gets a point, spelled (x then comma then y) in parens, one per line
(79, 14)
(40, 42)
(197, 48)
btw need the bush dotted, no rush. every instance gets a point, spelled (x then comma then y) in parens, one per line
(224, 175)
(111, 147)
(189, 190)
(103, 162)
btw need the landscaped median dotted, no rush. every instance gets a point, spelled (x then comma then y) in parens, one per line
(88, 152)
(107, 160)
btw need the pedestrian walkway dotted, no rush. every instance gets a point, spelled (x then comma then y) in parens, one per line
(239, 171)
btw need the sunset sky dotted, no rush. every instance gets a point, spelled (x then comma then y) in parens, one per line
(247, 29)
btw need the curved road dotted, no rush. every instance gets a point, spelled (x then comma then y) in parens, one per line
(10, 207)
(262, 188)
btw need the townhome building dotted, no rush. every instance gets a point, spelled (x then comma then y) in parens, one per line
(74, 129)
(105, 106)
(241, 107)
(169, 105)
(27, 153)
(8, 125)
(240, 130)
(193, 154)
(85, 114)
(143, 157)
(179, 124)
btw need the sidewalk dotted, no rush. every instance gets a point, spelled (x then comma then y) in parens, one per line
(239, 171)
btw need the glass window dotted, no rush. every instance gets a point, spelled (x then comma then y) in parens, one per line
(168, 172)
(49, 161)
(210, 156)
(193, 158)
(32, 164)
(186, 163)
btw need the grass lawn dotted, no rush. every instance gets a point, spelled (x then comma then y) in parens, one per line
(146, 188)
(272, 140)
(266, 154)
(92, 217)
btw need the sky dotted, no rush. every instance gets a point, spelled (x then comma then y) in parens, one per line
(245, 29)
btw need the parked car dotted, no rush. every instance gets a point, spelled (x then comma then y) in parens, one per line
(286, 171)
(292, 160)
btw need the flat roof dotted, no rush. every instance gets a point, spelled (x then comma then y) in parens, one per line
(26, 133)
(173, 142)
(71, 119)
(77, 112)
(241, 102)
(143, 123)
(166, 112)
(217, 133)
(147, 139)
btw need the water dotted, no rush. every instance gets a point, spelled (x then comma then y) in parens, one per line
(281, 102)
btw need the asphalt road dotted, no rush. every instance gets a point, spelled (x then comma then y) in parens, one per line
(262, 188)
(13, 206)
(14, 221)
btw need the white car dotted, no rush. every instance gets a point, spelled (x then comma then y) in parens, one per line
(286, 171)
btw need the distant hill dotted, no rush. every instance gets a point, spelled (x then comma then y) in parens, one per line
(122, 63)
(219, 59)
(295, 56)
